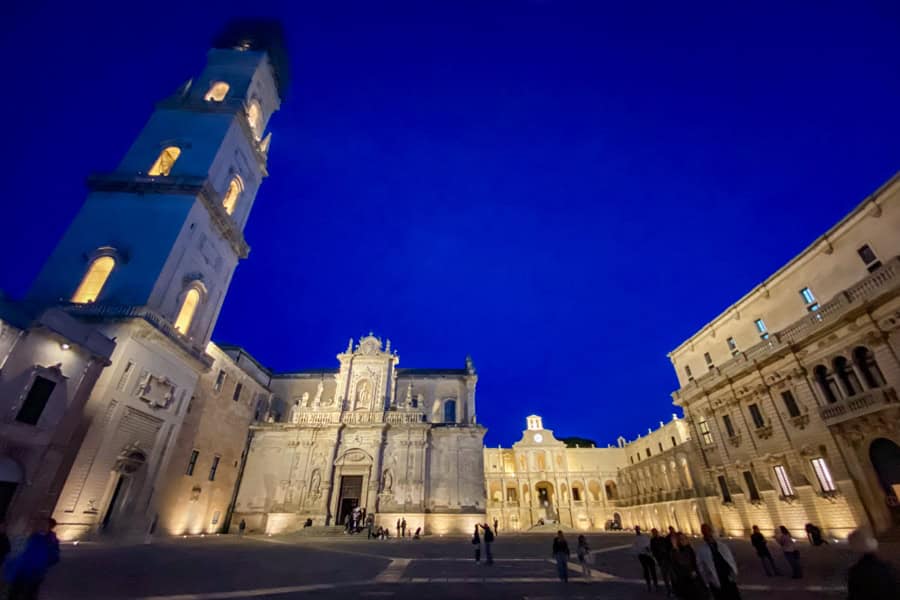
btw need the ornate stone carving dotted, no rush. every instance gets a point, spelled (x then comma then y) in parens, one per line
(156, 391)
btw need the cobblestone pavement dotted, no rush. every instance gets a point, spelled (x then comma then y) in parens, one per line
(287, 567)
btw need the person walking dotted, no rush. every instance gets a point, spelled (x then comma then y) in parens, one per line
(717, 566)
(398, 527)
(476, 541)
(641, 548)
(870, 578)
(403, 527)
(561, 553)
(370, 524)
(791, 554)
(496, 526)
(26, 572)
(814, 534)
(584, 556)
(686, 580)
(758, 540)
(488, 540)
(662, 552)
(242, 526)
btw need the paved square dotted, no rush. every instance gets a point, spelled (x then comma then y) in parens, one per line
(230, 567)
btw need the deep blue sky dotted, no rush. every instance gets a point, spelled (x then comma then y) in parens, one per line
(564, 190)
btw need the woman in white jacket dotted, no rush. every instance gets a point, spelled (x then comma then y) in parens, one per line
(717, 566)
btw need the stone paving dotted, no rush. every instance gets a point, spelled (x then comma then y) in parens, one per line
(286, 567)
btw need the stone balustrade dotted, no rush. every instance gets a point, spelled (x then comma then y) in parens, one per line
(856, 406)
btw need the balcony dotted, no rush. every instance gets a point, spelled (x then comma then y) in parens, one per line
(858, 405)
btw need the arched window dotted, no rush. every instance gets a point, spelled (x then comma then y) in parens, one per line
(868, 366)
(827, 384)
(848, 378)
(449, 411)
(94, 279)
(235, 187)
(163, 165)
(188, 308)
(217, 92)
(254, 117)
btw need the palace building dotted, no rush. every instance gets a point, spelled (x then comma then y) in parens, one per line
(122, 417)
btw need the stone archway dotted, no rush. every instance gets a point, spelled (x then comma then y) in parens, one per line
(544, 492)
(884, 455)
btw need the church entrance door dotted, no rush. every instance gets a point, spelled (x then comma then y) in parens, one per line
(351, 492)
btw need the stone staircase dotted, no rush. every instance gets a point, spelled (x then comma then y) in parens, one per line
(319, 531)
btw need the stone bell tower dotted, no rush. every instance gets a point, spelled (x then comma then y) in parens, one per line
(148, 261)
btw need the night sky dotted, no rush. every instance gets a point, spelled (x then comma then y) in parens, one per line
(563, 190)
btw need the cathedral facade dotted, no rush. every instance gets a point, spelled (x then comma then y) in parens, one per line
(400, 443)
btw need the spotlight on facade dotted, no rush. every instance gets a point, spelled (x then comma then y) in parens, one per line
(65, 346)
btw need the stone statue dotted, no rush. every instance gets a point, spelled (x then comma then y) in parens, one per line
(295, 413)
(305, 398)
(387, 481)
(319, 389)
(314, 485)
(363, 394)
(409, 400)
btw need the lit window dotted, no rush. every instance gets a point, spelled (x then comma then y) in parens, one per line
(732, 346)
(165, 162)
(809, 299)
(756, 415)
(704, 432)
(790, 403)
(823, 474)
(761, 328)
(238, 388)
(217, 92)
(726, 495)
(729, 427)
(214, 468)
(188, 308)
(751, 486)
(869, 259)
(195, 454)
(220, 381)
(254, 117)
(235, 187)
(709, 362)
(783, 482)
(94, 280)
(35, 401)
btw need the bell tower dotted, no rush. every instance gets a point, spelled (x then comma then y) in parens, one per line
(162, 234)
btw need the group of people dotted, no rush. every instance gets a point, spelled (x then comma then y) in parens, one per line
(486, 534)
(562, 554)
(786, 541)
(24, 573)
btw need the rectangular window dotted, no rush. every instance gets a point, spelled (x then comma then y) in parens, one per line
(631, 459)
(726, 495)
(809, 299)
(220, 381)
(195, 454)
(648, 452)
(660, 447)
(215, 518)
(510, 494)
(751, 486)
(576, 494)
(35, 401)
(214, 468)
(790, 403)
(729, 428)
(783, 482)
(761, 328)
(687, 371)
(704, 432)
(237, 391)
(823, 474)
(708, 359)
(756, 415)
(868, 257)
(190, 403)
(123, 379)
(732, 346)
(674, 443)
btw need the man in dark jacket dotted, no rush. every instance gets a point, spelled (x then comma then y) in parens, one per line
(870, 578)
(488, 540)
(762, 551)
(25, 573)
(661, 548)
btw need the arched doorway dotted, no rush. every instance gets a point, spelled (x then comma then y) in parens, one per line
(10, 478)
(617, 518)
(545, 498)
(885, 457)
(128, 463)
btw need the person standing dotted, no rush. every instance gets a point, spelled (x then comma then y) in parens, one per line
(791, 554)
(496, 526)
(476, 541)
(561, 553)
(662, 551)
(398, 527)
(814, 534)
(641, 548)
(370, 523)
(758, 540)
(242, 526)
(26, 572)
(717, 566)
(870, 578)
(686, 578)
(403, 527)
(488, 540)
(584, 556)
